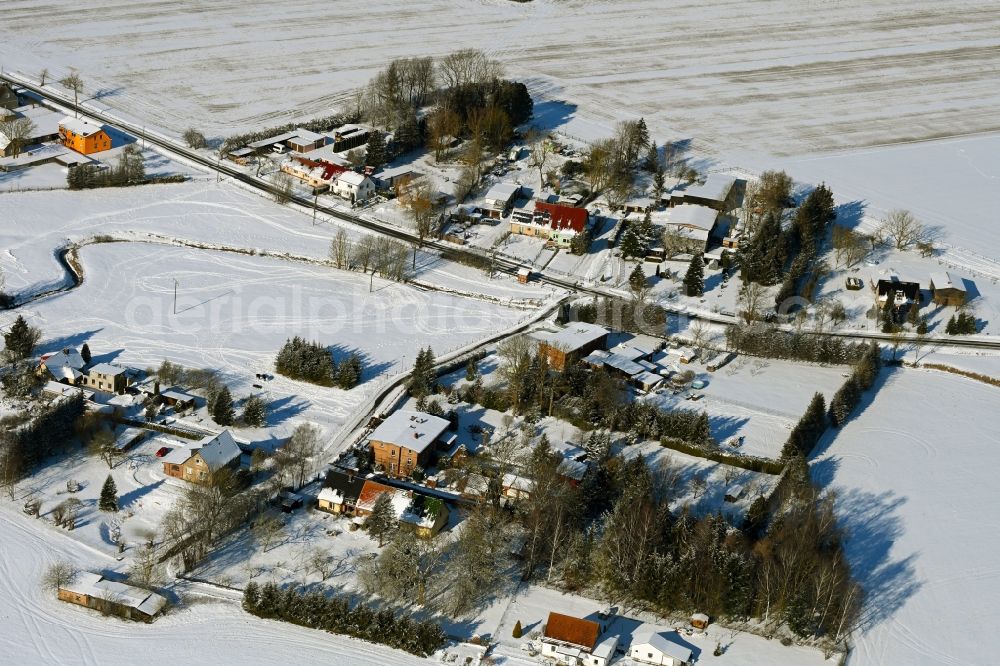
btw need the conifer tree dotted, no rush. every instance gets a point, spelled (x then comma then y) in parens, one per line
(20, 340)
(377, 154)
(222, 408)
(109, 496)
(471, 370)
(517, 633)
(255, 412)
(85, 353)
(637, 281)
(382, 522)
(694, 279)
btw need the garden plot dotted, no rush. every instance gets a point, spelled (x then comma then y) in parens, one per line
(914, 480)
(234, 312)
(759, 400)
(34, 224)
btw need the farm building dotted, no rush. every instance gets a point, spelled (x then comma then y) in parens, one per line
(199, 464)
(500, 197)
(946, 289)
(83, 136)
(660, 649)
(406, 440)
(572, 343)
(719, 191)
(94, 591)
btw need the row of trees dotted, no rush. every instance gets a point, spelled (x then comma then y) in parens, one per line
(758, 339)
(384, 256)
(313, 362)
(862, 378)
(26, 440)
(318, 609)
(130, 170)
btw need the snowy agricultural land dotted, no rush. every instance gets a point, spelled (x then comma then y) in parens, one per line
(914, 481)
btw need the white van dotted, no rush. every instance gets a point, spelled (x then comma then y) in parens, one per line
(279, 148)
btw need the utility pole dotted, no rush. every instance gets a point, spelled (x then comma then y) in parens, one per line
(175, 295)
(315, 204)
(371, 281)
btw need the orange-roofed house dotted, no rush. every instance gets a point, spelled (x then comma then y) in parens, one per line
(572, 640)
(557, 223)
(83, 136)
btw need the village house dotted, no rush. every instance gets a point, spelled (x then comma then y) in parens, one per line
(83, 136)
(353, 186)
(65, 366)
(178, 399)
(201, 463)
(46, 128)
(499, 199)
(8, 97)
(904, 294)
(572, 343)
(557, 223)
(946, 289)
(424, 515)
(340, 493)
(406, 440)
(388, 179)
(571, 640)
(317, 174)
(106, 378)
(300, 140)
(93, 590)
(515, 488)
(660, 649)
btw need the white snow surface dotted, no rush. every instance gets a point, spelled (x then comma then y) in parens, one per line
(914, 477)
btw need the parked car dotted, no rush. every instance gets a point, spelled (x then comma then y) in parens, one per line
(162, 451)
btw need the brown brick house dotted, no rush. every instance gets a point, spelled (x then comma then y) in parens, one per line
(200, 464)
(572, 343)
(405, 441)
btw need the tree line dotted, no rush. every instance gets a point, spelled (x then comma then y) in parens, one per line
(317, 609)
(313, 362)
(770, 342)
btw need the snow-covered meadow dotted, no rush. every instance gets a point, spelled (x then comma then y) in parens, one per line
(914, 477)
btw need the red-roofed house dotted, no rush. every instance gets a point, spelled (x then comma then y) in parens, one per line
(557, 223)
(572, 640)
(319, 174)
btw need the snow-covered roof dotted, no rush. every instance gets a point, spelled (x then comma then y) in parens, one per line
(394, 172)
(352, 178)
(649, 378)
(96, 586)
(568, 450)
(299, 133)
(517, 482)
(411, 430)
(945, 280)
(623, 364)
(127, 437)
(178, 455)
(575, 335)
(716, 188)
(176, 394)
(57, 388)
(692, 214)
(106, 369)
(219, 450)
(606, 648)
(502, 192)
(663, 644)
(64, 364)
(629, 352)
(79, 126)
(572, 469)
(330, 495)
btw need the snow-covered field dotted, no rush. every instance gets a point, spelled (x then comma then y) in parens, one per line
(914, 476)
(235, 311)
(769, 76)
(38, 629)
(34, 224)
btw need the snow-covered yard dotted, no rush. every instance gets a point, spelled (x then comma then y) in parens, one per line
(914, 477)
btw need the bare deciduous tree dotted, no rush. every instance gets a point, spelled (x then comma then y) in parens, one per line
(904, 229)
(294, 461)
(73, 81)
(340, 249)
(59, 574)
(18, 132)
(194, 139)
(283, 187)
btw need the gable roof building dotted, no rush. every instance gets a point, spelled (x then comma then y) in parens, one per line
(94, 591)
(566, 638)
(65, 366)
(658, 648)
(199, 463)
(946, 289)
(405, 441)
(573, 342)
(340, 492)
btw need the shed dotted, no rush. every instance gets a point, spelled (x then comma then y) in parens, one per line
(946, 289)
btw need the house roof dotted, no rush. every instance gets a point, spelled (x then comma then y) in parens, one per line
(502, 192)
(107, 369)
(572, 469)
(410, 430)
(945, 280)
(892, 283)
(394, 172)
(178, 455)
(559, 216)
(346, 487)
(64, 364)
(57, 388)
(575, 336)
(715, 188)
(422, 510)
(693, 215)
(176, 394)
(572, 630)
(352, 178)
(79, 126)
(96, 586)
(321, 169)
(370, 492)
(606, 648)
(219, 450)
(663, 644)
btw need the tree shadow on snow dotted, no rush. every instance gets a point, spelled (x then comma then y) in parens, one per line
(75, 340)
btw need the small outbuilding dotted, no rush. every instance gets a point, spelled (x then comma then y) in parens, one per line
(660, 649)
(946, 289)
(94, 591)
